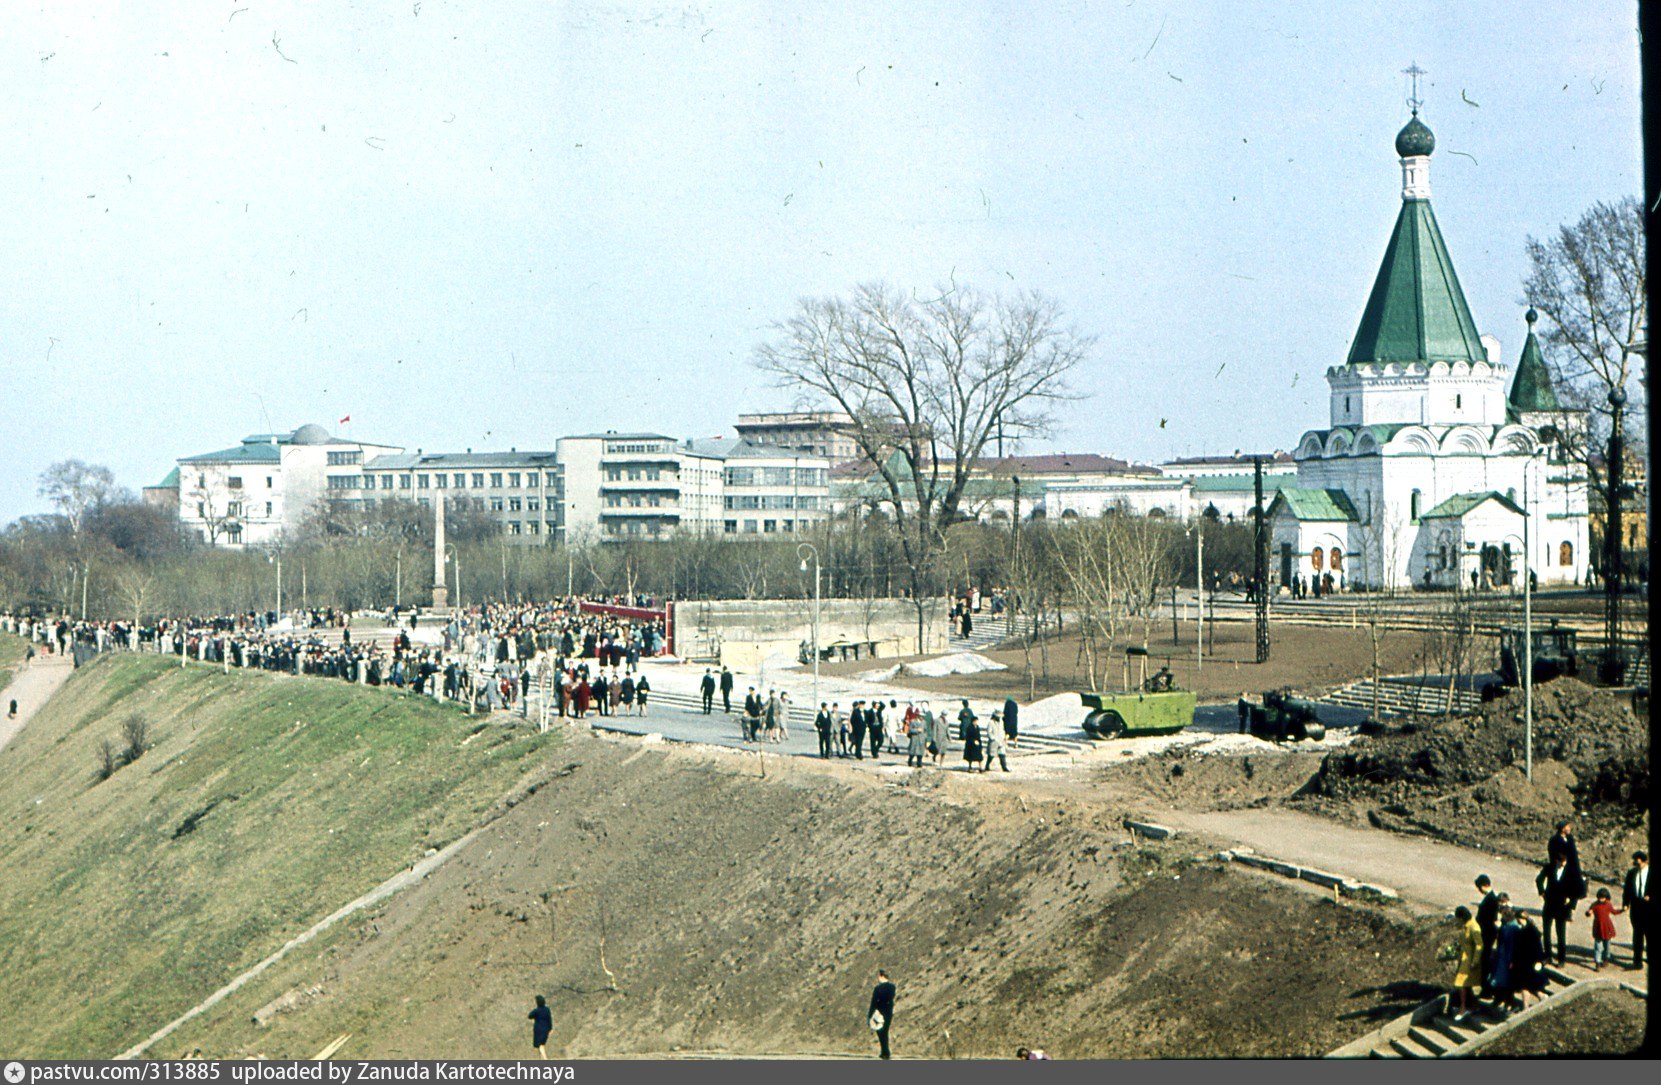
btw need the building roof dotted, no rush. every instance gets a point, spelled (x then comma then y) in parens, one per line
(1416, 311)
(1061, 463)
(739, 448)
(1241, 459)
(1238, 483)
(613, 435)
(1415, 138)
(1311, 504)
(249, 451)
(404, 461)
(1460, 504)
(170, 482)
(1532, 389)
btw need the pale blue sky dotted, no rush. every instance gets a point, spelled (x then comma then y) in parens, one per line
(486, 224)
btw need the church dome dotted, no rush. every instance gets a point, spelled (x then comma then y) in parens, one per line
(1415, 139)
(310, 434)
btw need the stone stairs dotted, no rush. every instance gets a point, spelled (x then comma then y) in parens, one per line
(1404, 696)
(1434, 1032)
(984, 633)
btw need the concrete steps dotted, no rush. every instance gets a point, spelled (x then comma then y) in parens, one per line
(1434, 1032)
(985, 633)
(1403, 696)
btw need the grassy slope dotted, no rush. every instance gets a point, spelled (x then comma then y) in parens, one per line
(12, 648)
(315, 792)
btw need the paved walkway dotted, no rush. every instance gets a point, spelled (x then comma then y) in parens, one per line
(1431, 876)
(32, 686)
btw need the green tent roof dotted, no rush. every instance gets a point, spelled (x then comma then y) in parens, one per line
(171, 482)
(1309, 504)
(1416, 312)
(1532, 389)
(1459, 504)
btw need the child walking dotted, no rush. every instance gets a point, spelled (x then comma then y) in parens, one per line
(1603, 913)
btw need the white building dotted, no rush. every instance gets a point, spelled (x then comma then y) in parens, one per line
(768, 489)
(1427, 468)
(521, 490)
(255, 493)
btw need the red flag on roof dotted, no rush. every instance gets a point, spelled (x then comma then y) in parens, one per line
(345, 420)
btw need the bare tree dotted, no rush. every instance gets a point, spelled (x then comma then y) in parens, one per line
(925, 384)
(75, 488)
(1589, 283)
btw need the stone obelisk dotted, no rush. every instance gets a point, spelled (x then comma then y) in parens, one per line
(441, 594)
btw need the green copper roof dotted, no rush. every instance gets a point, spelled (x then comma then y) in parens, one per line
(1307, 504)
(1416, 312)
(1459, 504)
(1532, 390)
(171, 482)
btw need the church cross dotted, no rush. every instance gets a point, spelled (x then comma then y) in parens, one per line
(1414, 101)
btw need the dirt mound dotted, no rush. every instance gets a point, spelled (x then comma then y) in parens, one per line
(669, 899)
(1461, 778)
(1195, 781)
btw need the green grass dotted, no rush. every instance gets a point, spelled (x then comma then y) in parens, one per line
(12, 648)
(266, 802)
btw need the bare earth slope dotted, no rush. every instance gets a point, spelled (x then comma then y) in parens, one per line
(747, 915)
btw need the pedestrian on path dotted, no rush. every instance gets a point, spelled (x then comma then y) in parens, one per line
(1501, 978)
(1467, 948)
(1488, 918)
(858, 721)
(1603, 913)
(971, 737)
(995, 744)
(917, 737)
(726, 692)
(1558, 894)
(641, 689)
(707, 688)
(875, 728)
(823, 723)
(542, 1023)
(940, 735)
(11, 714)
(752, 715)
(881, 1014)
(1012, 729)
(1635, 899)
(1528, 960)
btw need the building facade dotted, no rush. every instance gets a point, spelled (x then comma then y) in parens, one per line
(820, 433)
(520, 490)
(261, 490)
(1428, 468)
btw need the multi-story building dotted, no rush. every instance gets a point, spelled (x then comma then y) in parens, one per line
(521, 490)
(260, 490)
(819, 433)
(766, 489)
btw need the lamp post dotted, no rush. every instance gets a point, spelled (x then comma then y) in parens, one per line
(1528, 619)
(800, 547)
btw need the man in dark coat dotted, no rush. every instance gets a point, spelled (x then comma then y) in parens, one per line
(542, 1023)
(1012, 730)
(726, 690)
(1562, 843)
(857, 721)
(1635, 899)
(752, 714)
(824, 723)
(1488, 918)
(1558, 893)
(707, 688)
(882, 1001)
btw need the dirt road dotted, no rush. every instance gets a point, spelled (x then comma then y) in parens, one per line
(34, 684)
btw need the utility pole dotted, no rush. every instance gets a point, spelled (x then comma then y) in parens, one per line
(1260, 563)
(1615, 470)
(1199, 595)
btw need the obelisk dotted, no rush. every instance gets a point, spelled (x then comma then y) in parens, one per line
(441, 594)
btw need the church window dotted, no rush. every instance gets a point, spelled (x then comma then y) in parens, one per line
(1336, 560)
(1442, 556)
(1458, 402)
(1346, 404)
(1565, 553)
(1413, 506)
(1317, 559)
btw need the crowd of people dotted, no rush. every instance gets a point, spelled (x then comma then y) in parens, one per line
(488, 656)
(1501, 955)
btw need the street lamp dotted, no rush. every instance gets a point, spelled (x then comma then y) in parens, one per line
(1528, 619)
(800, 547)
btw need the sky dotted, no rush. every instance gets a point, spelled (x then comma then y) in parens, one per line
(472, 224)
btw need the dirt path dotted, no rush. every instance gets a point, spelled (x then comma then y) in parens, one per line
(32, 687)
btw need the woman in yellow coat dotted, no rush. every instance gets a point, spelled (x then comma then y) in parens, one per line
(1467, 971)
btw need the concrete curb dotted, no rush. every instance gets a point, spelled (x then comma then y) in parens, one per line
(1149, 829)
(1349, 887)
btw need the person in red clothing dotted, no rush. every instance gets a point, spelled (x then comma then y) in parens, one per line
(1603, 913)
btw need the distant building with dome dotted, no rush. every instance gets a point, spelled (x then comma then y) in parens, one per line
(256, 492)
(1428, 462)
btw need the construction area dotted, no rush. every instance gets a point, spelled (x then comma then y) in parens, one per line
(396, 879)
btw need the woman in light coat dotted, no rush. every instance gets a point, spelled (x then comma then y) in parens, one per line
(940, 732)
(917, 737)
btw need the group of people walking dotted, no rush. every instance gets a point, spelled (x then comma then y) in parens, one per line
(1500, 954)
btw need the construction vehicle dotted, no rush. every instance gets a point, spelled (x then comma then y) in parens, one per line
(1285, 718)
(1554, 651)
(1135, 715)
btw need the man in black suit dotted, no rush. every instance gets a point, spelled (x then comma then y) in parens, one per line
(1488, 918)
(1558, 893)
(1562, 843)
(882, 1001)
(707, 688)
(823, 723)
(752, 714)
(857, 721)
(726, 691)
(1635, 899)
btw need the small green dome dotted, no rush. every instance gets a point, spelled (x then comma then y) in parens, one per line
(1415, 139)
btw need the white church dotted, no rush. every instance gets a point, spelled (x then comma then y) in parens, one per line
(1430, 464)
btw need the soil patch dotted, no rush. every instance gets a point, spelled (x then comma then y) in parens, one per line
(1606, 1022)
(1461, 778)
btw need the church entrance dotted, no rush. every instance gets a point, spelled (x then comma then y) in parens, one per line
(1286, 565)
(1495, 565)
